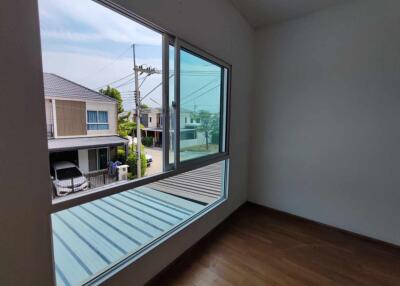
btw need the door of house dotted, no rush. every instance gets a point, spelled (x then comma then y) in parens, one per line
(92, 160)
(103, 158)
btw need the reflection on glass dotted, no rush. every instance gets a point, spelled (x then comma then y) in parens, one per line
(202, 91)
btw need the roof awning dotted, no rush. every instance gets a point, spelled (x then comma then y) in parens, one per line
(152, 129)
(66, 144)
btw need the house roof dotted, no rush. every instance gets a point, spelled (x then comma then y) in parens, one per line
(57, 86)
(148, 110)
(91, 237)
(158, 110)
(65, 144)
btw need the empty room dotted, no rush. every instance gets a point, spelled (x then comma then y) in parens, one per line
(213, 142)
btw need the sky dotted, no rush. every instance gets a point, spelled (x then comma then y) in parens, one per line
(92, 45)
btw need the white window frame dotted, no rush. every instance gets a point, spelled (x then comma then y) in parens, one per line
(96, 123)
(169, 170)
(177, 167)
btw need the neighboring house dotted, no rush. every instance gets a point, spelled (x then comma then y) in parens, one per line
(81, 124)
(152, 120)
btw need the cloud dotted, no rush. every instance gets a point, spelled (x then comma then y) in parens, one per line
(82, 41)
(61, 18)
(71, 36)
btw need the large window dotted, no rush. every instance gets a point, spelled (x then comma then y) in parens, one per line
(97, 120)
(154, 155)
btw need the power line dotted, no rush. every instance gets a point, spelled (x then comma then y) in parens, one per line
(157, 86)
(125, 83)
(197, 90)
(200, 94)
(110, 63)
(110, 83)
(186, 99)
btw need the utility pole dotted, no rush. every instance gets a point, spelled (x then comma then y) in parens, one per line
(139, 70)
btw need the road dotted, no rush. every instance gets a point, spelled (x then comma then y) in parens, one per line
(156, 165)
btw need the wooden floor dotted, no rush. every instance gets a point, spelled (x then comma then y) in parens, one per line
(257, 246)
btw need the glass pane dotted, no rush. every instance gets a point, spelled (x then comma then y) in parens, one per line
(90, 238)
(103, 160)
(102, 126)
(103, 116)
(92, 116)
(92, 154)
(201, 94)
(92, 127)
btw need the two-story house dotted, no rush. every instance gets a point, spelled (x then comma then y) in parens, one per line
(81, 124)
(151, 118)
(152, 121)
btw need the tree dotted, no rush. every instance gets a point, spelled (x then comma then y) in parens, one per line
(209, 124)
(144, 106)
(125, 125)
(114, 93)
(132, 162)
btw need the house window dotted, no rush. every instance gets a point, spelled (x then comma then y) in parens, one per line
(103, 222)
(97, 120)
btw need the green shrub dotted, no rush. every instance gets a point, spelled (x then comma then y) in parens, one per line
(147, 141)
(121, 155)
(131, 161)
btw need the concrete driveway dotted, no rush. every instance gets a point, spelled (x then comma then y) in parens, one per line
(157, 164)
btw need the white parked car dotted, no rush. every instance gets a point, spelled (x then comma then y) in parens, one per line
(68, 178)
(149, 159)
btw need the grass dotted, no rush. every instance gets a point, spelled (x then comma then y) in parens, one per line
(202, 148)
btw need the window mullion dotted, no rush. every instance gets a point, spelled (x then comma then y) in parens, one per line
(165, 103)
(177, 102)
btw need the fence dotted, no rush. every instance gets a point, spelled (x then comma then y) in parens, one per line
(100, 178)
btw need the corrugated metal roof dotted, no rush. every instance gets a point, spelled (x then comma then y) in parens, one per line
(61, 144)
(57, 86)
(202, 185)
(91, 237)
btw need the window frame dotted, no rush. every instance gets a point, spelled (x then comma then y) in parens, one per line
(97, 123)
(224, 105)
(176, 167)
(169, 169)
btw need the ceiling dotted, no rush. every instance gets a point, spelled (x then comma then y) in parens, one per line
(265, 12)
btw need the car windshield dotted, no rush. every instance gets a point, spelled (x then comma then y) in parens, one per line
(68, 173)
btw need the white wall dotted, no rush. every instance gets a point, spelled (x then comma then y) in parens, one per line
(200, 140)
(112, 117)
(25, 204)
(218, 28)
(83, 159)
(326, 118)
(25, 244)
